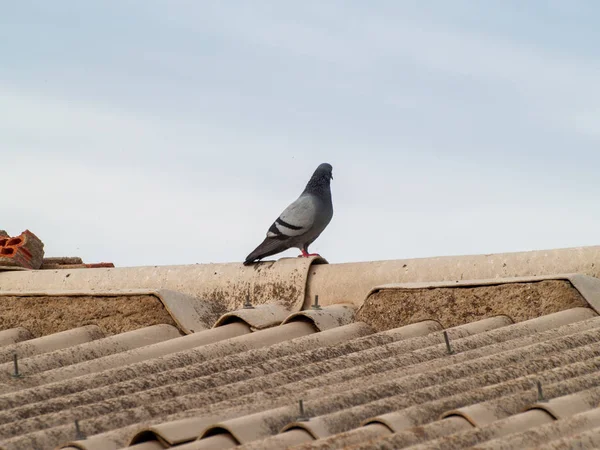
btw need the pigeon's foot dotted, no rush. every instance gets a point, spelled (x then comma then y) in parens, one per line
(305, 254)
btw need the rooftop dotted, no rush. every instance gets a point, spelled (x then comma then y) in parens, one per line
(485, 351)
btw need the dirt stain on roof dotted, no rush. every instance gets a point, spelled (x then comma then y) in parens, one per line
(453, 306)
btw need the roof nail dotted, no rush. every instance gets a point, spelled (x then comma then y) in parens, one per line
(448, 347)
(16, 373)
(247, 304)
(316, 304)
(302, 417)
(78, 433)
(540, 392)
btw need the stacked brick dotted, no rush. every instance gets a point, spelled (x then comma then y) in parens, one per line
(25, 250)
(71, 262)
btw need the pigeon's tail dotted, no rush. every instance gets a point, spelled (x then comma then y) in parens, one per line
(268, 247)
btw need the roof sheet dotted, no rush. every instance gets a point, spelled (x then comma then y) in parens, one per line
(235, 385)
(477, 364)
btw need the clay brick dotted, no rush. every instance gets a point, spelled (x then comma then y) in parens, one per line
(25, 250)
(63, 266)
(62, 260)
(98, 265)
(51, 266)
(34, 246)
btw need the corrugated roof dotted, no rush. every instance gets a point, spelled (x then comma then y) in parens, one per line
(388, 389)
(265, 377)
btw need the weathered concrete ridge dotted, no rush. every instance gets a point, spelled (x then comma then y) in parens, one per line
(351, 282)
(226, 285)
(294, 282)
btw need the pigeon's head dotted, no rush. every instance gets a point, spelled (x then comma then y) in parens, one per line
(324, 170)
(320, 180)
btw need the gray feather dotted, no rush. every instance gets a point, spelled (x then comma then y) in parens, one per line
(302, 221)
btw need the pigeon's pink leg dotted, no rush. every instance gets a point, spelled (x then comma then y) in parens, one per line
(305, 254)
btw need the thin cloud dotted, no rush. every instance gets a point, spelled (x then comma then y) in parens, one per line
(177, 134)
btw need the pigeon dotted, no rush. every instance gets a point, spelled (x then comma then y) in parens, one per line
(303, 221)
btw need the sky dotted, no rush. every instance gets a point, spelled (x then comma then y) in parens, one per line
(151, 132)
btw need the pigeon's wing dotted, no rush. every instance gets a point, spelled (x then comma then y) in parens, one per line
(293, 222)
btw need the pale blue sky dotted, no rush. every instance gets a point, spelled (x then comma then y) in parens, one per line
(171, 132)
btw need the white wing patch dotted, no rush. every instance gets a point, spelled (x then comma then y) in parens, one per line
(295, 220)
(284, 230)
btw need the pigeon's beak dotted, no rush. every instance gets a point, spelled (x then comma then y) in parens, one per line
(331, 176)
